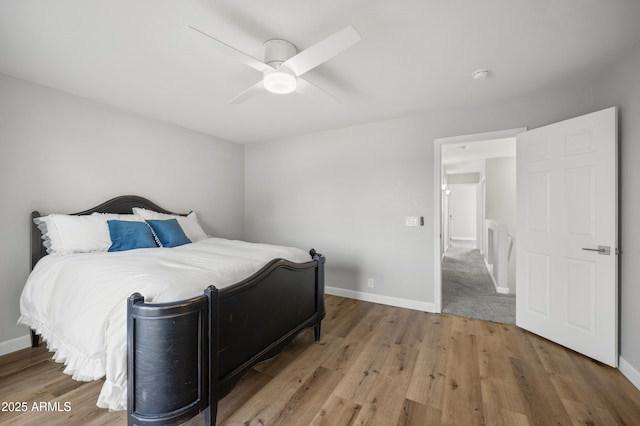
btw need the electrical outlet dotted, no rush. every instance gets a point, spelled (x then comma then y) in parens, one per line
(370, 282)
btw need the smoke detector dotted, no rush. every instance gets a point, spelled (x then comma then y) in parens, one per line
(480, 74)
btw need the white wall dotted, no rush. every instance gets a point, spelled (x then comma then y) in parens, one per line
(460, 178)
(345, 191)
(501, 202)
(60, 153)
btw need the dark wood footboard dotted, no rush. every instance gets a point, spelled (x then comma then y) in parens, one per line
(252, 321)
(260, 315)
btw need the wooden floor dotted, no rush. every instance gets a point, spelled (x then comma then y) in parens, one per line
(375, 365)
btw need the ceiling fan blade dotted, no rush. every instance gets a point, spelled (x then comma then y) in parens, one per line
(249, 93)
(246, 58)
(315, 93)
(323, 50)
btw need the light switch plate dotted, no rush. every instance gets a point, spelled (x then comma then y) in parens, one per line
(412, 221)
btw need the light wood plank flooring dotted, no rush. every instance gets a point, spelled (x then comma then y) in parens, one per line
(376, 365)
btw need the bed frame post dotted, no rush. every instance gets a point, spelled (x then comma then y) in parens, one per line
(37, 249)
(211, 412)
(172, 358)
(36, 253)
(35, 339)
(320, 312)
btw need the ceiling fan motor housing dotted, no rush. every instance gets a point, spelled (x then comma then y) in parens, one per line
(277, 51)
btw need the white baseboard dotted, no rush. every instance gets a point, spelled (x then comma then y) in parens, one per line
(501, 290)
(16, 344)
(629, 372)
(383, 300)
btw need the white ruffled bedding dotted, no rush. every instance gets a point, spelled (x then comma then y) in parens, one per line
(78, 302)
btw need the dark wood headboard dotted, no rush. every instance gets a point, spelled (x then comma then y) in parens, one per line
(121, 205)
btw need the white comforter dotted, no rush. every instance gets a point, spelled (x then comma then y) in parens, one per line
(78, 302)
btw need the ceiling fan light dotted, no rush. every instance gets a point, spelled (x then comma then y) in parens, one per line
(281, 81)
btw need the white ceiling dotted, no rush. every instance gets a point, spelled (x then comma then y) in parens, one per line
(141, 57)
(464, 152)
(469, 157)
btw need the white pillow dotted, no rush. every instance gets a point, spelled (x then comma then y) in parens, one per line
(117, 216)
(66, 234)
(188, 223)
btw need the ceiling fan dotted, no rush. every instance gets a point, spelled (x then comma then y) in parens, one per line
(283, 65)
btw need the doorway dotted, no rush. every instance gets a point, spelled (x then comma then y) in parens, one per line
(467, 257)
(567, 226)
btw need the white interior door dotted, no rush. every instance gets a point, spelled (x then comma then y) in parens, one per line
(567, 209)
(462, 212)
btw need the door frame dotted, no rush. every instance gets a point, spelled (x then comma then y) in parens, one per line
(437, 190)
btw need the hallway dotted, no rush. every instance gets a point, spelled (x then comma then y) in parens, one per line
(467, 288)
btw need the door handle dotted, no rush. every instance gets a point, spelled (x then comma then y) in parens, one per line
(605, 250)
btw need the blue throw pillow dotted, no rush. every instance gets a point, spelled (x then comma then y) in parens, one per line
(126, 235)
(169, 232)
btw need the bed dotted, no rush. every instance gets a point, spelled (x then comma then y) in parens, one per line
(180, 323)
